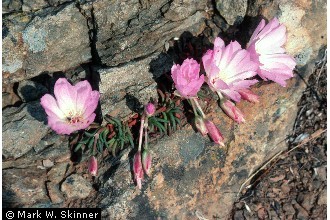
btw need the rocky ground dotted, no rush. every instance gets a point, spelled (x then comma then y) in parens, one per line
(294, 185)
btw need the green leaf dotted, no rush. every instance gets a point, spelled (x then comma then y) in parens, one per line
(173, 121)
(77, 147)
(90, 143)
(159, 126)
(161, 120)
(100, 145)
(90, 134)
(111, 142)
(113, 150)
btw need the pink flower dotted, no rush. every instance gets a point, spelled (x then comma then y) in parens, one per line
(248, 95)
(232, 111)
(214, 132)
(149, 109)
(73, 107)
(228, 68)
(146, 161)
(186, 78)
(92, 166)
(137, 169)
(266, 48)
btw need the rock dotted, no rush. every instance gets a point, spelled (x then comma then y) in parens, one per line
(322, 200)
(134, 29)
(23, 128)
(54, 39)
(29, 91)
(232, 11)
(57, 173)
(75, 186)
(47, 163)
(9, 97)
(34, 5)
(124, 92)
(23, 187)
(11, 6)
(176, 180)
(54, 193)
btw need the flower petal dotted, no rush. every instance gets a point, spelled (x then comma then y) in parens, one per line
(49, 103)
(66, 96)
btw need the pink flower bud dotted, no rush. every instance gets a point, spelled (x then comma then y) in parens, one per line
(92, 166)
(232, 111)
(248, 95)
(149, 109)
(146, 161)
(137, 169)
(200, 125)
(214, 132)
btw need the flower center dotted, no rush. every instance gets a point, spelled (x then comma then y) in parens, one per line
(74, 118)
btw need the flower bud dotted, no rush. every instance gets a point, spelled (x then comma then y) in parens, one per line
(92, 166)
(200, 125)
(149, 109)
(232, 111)
(248, 95)
(214, 132)
(146, 161)
(137, 169)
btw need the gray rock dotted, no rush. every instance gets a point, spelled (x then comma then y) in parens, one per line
(232, 11)
(57, 173)
(24, 187)
(23, 128)
(30, 91)
(9, 96)
(124, 92)
(133, 29)
(54, 40)
(54, 193)
(34, 5)
(75, 186)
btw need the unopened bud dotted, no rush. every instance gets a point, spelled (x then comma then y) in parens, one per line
(137, 169)
(200, 125)
(150, 109)
(214, 132)
(146, 161)
(92, 166)
(248, 95)
(232, 111)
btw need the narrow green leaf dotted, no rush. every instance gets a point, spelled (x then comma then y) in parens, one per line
(172, 121)
(77, 147)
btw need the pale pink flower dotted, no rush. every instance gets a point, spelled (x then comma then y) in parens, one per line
(186, 78)
(73, 107)
(92, 166)
(146, 161)
(138, 169)
(232, 111)
(228, 69)
(266, 49)
(248, 95)
(214, 132)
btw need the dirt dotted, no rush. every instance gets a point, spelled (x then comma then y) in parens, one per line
(293, 185)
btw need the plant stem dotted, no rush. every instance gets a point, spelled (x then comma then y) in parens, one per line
(220, 96)
(193, 106)
(141, 132)
(146, 139)
(199, 107)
